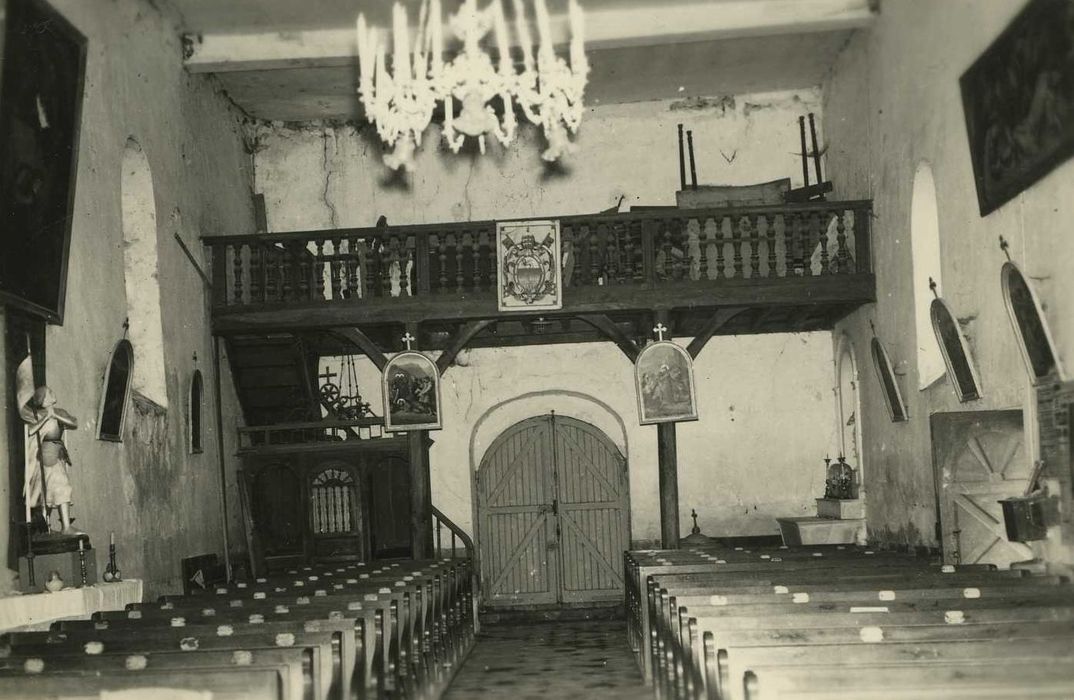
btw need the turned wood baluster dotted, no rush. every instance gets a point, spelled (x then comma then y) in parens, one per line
(478, 239)
(665, 248)
(255, 273)
(492, 258)
(718, 239)
(304, 265)
(387, 264)
(819, 229)
(236, 269)
(755, 247)
(286, 265)
(738, 234)
(441, 244)
(460, 248)
(610, 253)
(630, 268)
(354, 267)
(406, 266)
(770, 237)
(318, 270)
(702, 248)
(842, 254)
(590, 235)
(334, 270)
(792, 243)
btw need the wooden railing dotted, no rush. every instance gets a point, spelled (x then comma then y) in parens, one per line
(650, 248)
(310, 432)
(460, 541)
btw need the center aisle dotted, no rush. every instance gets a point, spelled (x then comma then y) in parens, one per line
(539, 661)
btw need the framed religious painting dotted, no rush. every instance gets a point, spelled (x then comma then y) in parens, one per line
(41, 80)
(410, 383)
(528, 271)
(1018, 97)
(664, 382)
(888, 383)
(956, 353)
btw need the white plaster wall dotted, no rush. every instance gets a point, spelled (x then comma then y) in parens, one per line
(765, 411)
(892, 102)
(766, 401)
(162, 502)
(328, 176)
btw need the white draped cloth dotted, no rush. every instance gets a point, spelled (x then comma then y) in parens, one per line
(39, 610)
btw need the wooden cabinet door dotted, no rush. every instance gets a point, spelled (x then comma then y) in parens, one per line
(979, 458)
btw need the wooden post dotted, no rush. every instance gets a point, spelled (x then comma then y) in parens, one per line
(421, 505)
(667, 452)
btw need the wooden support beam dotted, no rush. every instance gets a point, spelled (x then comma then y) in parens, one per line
(421, 503)
(667, 454)
(459, 341)
(715, 323)
(614, 333)
(363, 342)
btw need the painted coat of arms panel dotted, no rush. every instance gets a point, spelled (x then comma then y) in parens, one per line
(528, 272)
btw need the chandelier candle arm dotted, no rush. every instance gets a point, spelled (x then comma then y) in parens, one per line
(524, 38)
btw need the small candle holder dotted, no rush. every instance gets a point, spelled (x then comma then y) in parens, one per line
(82, 562)
(111, 572)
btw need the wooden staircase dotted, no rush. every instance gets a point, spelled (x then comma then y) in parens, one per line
(273, 377)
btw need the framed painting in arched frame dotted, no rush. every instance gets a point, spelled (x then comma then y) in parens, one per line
(664, 382)
(410, 384)
(117, 391)
(961, 370)
(888, 383)
(1027, 319)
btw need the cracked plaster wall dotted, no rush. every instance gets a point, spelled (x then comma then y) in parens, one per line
(162, 502)
(766, 401)
(892, 102)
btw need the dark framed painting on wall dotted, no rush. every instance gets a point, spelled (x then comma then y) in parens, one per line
(888, 383)
(1018, 98)
(40, 113)
(410, 383)
(117, 393)
(961, 370)
(664, 382)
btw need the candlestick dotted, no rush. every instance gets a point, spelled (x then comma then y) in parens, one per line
(112, 538)
(82, 562)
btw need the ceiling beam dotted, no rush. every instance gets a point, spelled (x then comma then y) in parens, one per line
(658, 23)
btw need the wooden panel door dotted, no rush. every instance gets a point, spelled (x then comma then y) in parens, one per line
(592, 510)
(979, 458)
(552, 514)
(517, 531)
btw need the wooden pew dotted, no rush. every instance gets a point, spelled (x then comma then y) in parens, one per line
(275, 673)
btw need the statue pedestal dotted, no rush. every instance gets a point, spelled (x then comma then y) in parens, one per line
(840, 508)
(54, 553)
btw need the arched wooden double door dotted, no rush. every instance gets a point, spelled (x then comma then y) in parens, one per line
(553, 514)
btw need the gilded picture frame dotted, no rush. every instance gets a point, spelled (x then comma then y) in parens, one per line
(410, 384)
(664, 384)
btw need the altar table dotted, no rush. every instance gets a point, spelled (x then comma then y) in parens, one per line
(37, 611)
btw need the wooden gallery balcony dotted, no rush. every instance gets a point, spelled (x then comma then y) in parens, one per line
(795, 267)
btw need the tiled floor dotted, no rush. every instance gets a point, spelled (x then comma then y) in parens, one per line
(551, 660)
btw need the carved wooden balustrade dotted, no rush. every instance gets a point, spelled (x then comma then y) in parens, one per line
(651, 250)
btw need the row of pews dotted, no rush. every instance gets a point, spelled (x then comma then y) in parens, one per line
(387, 630)
(844, 622)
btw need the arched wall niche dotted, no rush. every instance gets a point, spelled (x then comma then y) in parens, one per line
(140, 273)
(925, 251)
(848, 408)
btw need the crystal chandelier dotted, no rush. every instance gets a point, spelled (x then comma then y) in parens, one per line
(401, 101)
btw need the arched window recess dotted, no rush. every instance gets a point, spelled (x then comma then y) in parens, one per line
(1028, 322)
(961, 369)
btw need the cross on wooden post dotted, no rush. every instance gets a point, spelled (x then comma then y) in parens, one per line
(660, 330)
(408, 339)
